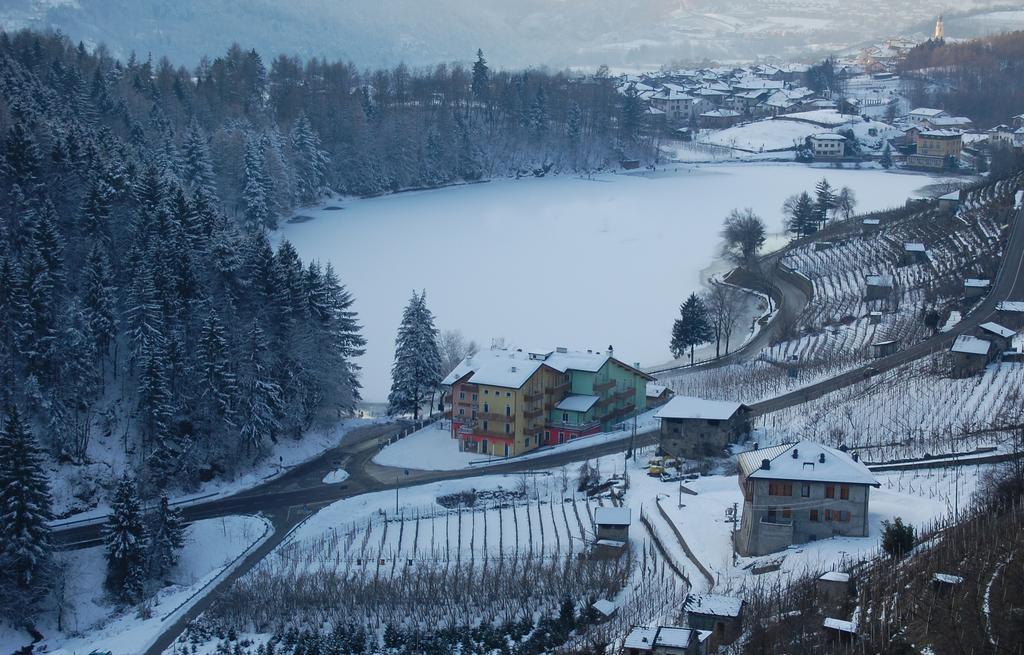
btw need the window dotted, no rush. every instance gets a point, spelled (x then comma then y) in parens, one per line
(776, 488)
(547, 435)
(486, 408)
(474, 397)
(843, 516)
(787, 513)
(508, 428)
(805, 491)
(485, 426)
(565, 417)
(486, 391)
(526, 442)
(814, 515)
(844, 492)
(508, 410)
(462, 411)
(508, 394)
(771, 516)
(828, 515)
(462, 395)
(561, 437)
(830, 491)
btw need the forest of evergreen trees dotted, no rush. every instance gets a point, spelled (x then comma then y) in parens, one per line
(140, 295)
(978, 78)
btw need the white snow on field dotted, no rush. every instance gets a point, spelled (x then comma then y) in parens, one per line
(597, 262)
(93, 624)
(433, 449)
(763, 136)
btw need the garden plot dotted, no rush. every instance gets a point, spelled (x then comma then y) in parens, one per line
(910, 411)
(495, 551)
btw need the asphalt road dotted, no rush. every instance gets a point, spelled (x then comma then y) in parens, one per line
(288, 499)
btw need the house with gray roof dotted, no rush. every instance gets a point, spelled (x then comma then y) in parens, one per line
(695, 427)
(800, 492)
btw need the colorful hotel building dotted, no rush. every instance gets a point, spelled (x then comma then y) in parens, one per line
(507, 402)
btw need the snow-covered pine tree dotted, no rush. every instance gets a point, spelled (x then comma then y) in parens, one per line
(691, 328)
(416, 372)
(217, 382)
(125, 537)
(825, 201)
(254, 193)
(259, 396)
(197, 167)
(96, 209)
(25, 547)
(165, 539)
(99, 300)
(311, 161)
(481, 78)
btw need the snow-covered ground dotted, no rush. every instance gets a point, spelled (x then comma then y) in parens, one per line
(597, 261)
(67, 482)
(91, 623)
(433, 449)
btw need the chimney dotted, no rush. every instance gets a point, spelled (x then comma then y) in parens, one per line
(766, 464)
(514, 370)
(843, 447)
(796, 453)
(611, 350)
(821, 458)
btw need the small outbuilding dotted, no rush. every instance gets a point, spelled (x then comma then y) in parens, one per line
(879, 287)
(885, 348)
(694, 427)
(914, 253)
(840, 629)
(1001, 336)
(945, 583)
(613, 523)
(970, 355)
(719, 614)
(975, 288)
(950, 201)
(833, 587)
(870, 225)
(657, 395)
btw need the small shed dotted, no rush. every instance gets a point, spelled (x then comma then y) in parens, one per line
(1010, 307)
(879, 287)
(721, 615)
(950, 201)
(613, 523)
(914, 253)
(639, 640)
(657, 394)
(870, 225)
(874, 318)
(945, 583)
(605, 608)
(1001, 336)
(884, 348)
(840, 630)
(975, 288)
(833, 587)
(970, 355)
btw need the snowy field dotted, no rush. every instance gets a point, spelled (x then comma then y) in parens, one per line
(596, 261)
(91, 623)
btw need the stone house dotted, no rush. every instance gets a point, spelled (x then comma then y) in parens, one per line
(695, 427)
(879, 287)
(665, 640)
(833, 588)
(800, 492)
(914, 253)
(721, 615)
(657, 395)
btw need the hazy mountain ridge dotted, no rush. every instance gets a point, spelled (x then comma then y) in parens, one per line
(530, 32)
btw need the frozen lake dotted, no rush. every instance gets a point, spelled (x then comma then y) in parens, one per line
(558, 261)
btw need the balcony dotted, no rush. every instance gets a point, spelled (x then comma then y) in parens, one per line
(575, 427)
(532, 414)
(604, 386)
(533, 396)
(497, 418)
(557, 390)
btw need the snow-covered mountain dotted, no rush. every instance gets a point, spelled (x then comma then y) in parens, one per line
(621, 33)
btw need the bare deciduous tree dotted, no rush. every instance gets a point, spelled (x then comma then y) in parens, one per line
(454, 348)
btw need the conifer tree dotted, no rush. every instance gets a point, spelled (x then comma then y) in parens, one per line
(217, 383)
(255, 192)
(25, 509)
(691, 328)
(125, 537)
(165, 539)
(825, 201)
(416, 372)
(99, 301)
(96, 209)
(311, 159)
(259, 396)
(197, 166)
(481, 78)
(886, 159)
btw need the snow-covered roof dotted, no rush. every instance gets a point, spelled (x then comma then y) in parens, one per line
(998, 329)
(914, 247)
(577, 402)
(840, 625)
(690, 407)
(720, 113)
(605, 606)
(835, 576)
(926, 111)
(879, 280)
(871, 221)
(654, 389)
(828, 136)
(941, 134)
(808, 466)
(1011, 306)
(640, 638)
(716, 604)
(947, 578)
(950, 121)
(976, 283)
(673, 637)
(952, 195)
(512, 367)
(970, 345)
(613, 516)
